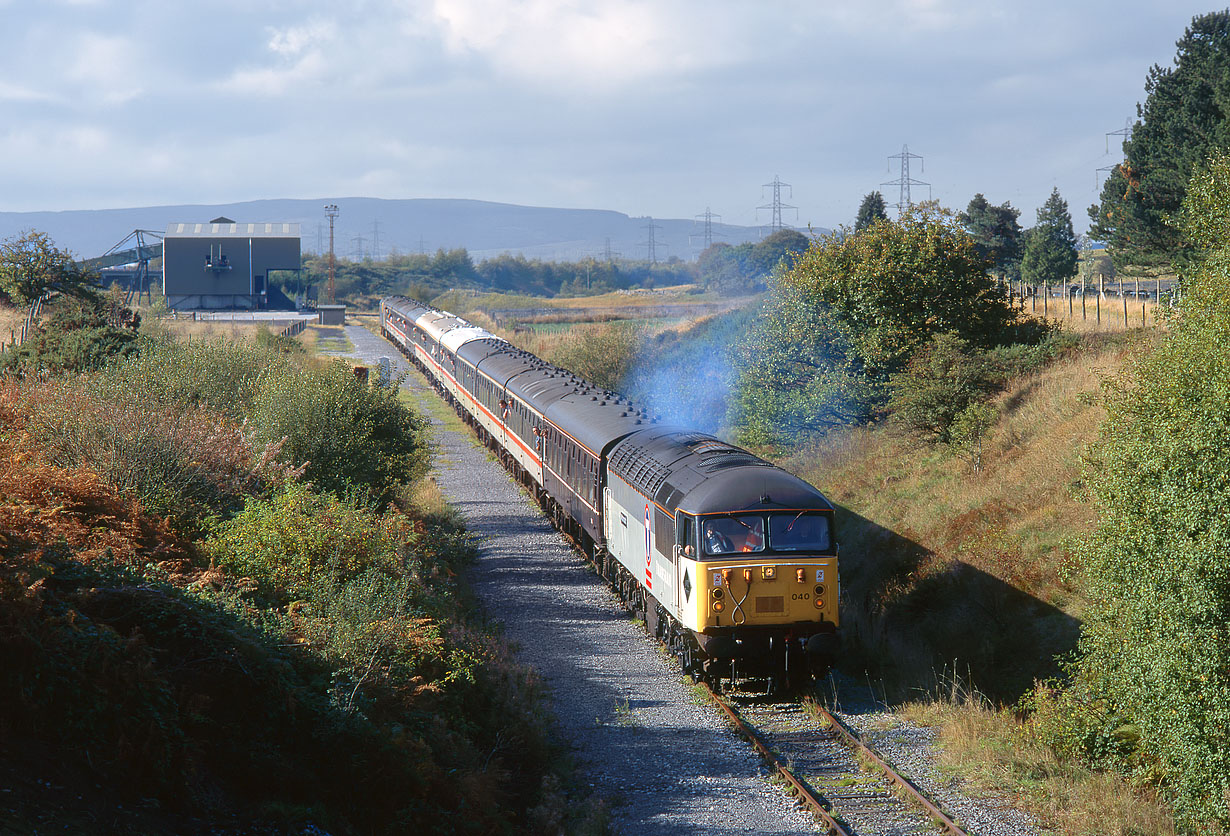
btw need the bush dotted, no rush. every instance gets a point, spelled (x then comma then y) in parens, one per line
(348, 436)
(181, 462)
(601, 354)
(80, 334)
(1154, 639)
(1077, 725)
(218, 375)
(851, 311)
(295, 540)
(943, 379)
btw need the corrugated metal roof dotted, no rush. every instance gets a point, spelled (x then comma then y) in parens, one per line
(211, 230)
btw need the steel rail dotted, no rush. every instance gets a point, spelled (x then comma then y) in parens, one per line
(856, 743)
(798, 789)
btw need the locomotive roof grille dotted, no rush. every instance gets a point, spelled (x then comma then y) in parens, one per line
(731, 458)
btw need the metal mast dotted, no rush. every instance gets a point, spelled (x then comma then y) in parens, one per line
(777, 206)
(331, 211)
(904, 202)
(708, 218)
(652, 242)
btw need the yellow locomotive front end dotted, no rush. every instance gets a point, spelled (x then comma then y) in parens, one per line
(766, 590)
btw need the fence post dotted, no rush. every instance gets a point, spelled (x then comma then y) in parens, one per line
(1101, 293)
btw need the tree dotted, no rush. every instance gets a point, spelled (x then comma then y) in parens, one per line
(743, 269)
(1183, 118)
(1154, 639)
(872, 209)
(851, 312)
(995, 231)
(31, 265)
(783, 245)
(1050, 246)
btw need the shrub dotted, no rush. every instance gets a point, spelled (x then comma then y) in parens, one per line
(181, 462)
(80, 334)
(851, 311)
(942, 380)
(218, 375)
(347, 435)
(601, 354)
(1154, 639)
(297, 539)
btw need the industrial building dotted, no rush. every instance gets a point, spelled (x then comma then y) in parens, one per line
(226, 265)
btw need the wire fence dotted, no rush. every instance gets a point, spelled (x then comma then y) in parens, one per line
(1085, 307)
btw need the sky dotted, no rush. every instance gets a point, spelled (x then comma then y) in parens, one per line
(666, 108)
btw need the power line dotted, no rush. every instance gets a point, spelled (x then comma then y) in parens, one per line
(775, 225)
(607, 253)
(376, 240)
(1126, 133)
(904, 202)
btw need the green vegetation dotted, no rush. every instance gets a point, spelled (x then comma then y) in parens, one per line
(199, 630)
(1050, 246)
(346, 436)
(32, 266)
(851, 312)
(1155, 647)
(425, 277)
(745, 269)
(872, 209)
(77, 334)
(1182, 120)
(996, 233)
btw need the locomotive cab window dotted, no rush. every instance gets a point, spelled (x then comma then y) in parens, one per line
(799, 532)
(685, 533)
(734, 534)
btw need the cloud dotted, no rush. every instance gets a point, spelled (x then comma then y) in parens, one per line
(104, 68)
(572, 43)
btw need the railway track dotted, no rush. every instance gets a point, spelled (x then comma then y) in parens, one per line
(829, 770)
(824, 765)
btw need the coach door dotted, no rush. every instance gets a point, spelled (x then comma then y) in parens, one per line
(686, 584)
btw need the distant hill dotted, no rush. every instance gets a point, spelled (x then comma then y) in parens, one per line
(485, 229)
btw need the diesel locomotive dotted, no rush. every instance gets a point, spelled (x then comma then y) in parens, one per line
(729, 560)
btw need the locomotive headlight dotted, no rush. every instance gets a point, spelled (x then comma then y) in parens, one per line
(819, 589)
(718, 593)
(718, 606)
(769, 573)
(819, 602)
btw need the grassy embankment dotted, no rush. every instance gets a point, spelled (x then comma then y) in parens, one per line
(959, 588)
(193, 638)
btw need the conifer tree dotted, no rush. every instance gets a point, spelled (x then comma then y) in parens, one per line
(871, 210)
(1183, 118)
(1050, 246)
